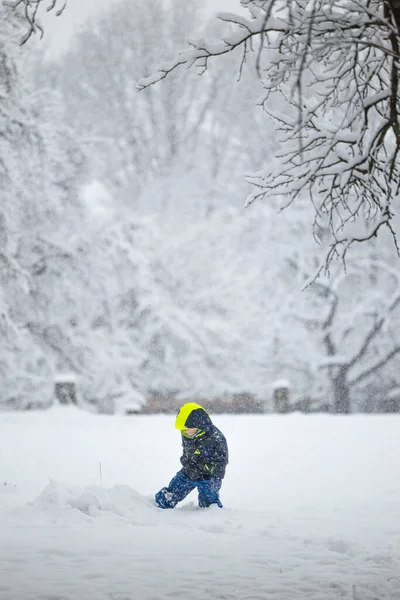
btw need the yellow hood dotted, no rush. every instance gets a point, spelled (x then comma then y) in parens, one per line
(192, 415)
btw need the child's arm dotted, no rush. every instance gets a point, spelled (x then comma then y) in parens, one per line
(219, 456)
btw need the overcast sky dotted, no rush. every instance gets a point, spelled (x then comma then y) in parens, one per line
(58, 30)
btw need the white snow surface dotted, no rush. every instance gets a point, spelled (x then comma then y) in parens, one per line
(311, 510)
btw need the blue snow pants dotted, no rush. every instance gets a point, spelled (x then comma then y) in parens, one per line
(180, 486)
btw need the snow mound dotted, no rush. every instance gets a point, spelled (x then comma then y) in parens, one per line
(94, 501)
(121, 505)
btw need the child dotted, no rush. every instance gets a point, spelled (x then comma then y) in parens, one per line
(204, 459)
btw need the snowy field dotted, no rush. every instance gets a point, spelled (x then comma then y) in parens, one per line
(312, 510)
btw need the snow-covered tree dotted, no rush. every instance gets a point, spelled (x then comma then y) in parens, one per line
(132, 139)
(39, 167)
(196, 129)
(153, 278)
(330, 72)
(352, 317)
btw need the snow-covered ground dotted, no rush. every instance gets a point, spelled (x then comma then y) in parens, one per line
(312, 510)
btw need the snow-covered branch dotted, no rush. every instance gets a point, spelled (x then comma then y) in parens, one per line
(201, 51)
(330, 72)
(30, 10)
(372, 368)
(374, 331)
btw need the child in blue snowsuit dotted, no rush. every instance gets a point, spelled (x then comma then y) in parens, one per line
(204, 459)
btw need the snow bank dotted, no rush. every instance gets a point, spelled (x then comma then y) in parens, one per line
(93, 501)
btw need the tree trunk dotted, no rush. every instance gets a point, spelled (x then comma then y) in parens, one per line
(341, 392)
(395, 9)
